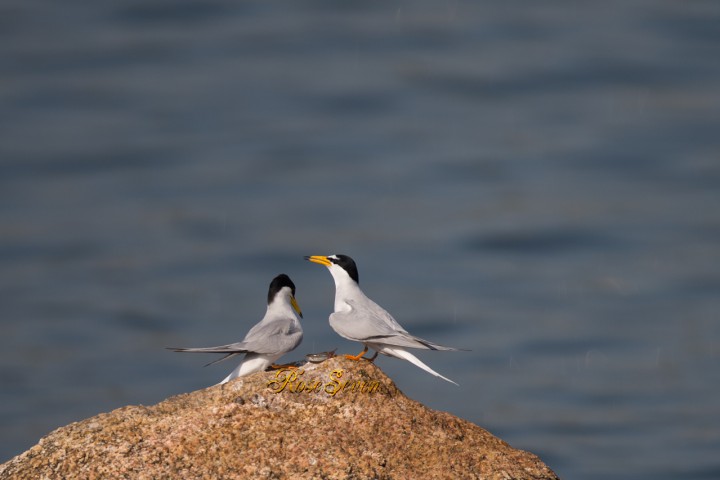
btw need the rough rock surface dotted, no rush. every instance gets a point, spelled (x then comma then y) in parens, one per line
(244, 429)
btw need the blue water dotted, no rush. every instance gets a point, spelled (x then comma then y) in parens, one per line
(536, 181)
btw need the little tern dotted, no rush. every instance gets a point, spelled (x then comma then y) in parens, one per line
(278, 333)
(358, 318)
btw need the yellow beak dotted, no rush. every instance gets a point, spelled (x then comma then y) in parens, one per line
(295, 306)
(321, 259)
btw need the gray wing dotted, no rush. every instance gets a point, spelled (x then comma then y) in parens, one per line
(232, 348)
(410, 341)
(230, 351)
(273, 337)
(369, 322)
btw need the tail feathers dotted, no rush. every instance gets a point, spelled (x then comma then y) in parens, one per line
(229, 355)
(405, 340)
(405, 355)
(231, 349)
(437, 346)
(251, 363)
(224, 349)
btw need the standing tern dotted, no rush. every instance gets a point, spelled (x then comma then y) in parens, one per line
(358, 318)
(276, 334)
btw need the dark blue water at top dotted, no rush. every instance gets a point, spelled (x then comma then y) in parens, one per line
(536, 181)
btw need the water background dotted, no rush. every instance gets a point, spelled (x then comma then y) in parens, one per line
(536, 181)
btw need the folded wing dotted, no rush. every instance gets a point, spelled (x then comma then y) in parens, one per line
(271, 338)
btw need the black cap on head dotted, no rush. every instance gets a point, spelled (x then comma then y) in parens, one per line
(347, 264)
(277, 284)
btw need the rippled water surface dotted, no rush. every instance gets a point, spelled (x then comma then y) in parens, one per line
(536, 181)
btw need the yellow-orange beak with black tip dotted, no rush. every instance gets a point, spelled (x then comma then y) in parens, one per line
(295, 306)
(321, 259)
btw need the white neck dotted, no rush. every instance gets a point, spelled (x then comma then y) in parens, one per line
(345, 288)
(281, 306)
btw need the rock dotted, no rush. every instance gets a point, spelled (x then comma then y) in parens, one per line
(338, 419)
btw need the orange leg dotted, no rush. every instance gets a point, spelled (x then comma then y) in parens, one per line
(289, 366)
(358, 356)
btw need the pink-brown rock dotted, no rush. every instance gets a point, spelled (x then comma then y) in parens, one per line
(339, 419)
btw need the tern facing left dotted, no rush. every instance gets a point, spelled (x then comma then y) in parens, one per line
(278, 333)
(358, 318)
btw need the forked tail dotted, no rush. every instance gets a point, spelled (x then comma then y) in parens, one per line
(405, 355)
